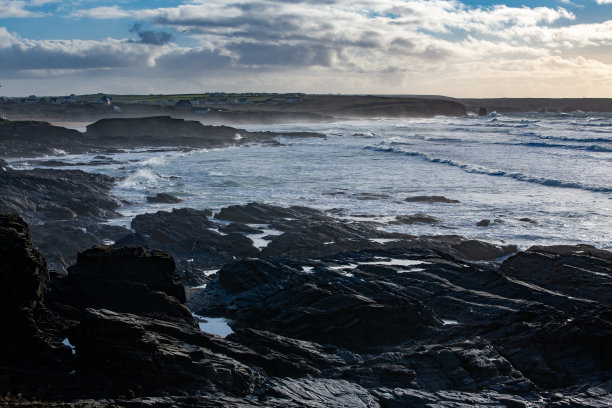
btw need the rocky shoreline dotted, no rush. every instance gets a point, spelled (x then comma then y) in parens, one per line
(32, 139)
(324, 311)
(394, 326)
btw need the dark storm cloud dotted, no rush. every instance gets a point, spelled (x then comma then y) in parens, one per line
(41, 56)
(194, 61)
(151, 37)
(282, 54)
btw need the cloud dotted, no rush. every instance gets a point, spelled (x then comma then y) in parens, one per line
(604, 1)
(102, 13)
(21, 55)
(329, 45)
(16, 9)
(151, 37)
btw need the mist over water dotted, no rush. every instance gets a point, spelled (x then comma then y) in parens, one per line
(539, 178)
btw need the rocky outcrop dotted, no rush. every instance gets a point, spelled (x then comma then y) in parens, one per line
(166, 131)
(386, 326)
(23, 279)
(430, 199)
(121, 313)
(163, 198)
(189, 235)
(31, 139)
(498, 336)
(56, 195)
(129, 279)
(299, 306)
(63, 209)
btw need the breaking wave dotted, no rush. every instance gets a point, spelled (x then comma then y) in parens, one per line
(469, 168)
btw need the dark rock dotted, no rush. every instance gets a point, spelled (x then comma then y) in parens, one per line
(430, 199)
(333, 320)
(239, 228)
(306, 392)
(371, 196)
(23, 278)
(142, 352)
(31, 139)
(257, 213)
(163, 131)
(482, 112)
(478, 250)
(132, 280)
(415, 219)
(483, 223)
(188, 234)
(274, 297)
(163, 198)
(581, 271)
(58, 194)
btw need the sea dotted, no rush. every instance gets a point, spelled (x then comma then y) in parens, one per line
(538, 178)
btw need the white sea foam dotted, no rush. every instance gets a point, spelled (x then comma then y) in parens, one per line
(554, 169)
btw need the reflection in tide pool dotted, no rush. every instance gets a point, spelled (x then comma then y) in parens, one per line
(214, 325)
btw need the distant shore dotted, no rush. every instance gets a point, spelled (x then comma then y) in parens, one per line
(307, 109)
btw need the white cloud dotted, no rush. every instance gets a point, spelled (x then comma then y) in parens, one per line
(16, 9)
(604, 1)
(102, 13)
(411, 46)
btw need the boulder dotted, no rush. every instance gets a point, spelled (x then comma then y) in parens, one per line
(163, 198)
(130, 279)
(430, 199)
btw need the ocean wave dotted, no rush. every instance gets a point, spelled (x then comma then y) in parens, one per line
(469, 168)
(596, 148)
(568, 139)
(591, 148)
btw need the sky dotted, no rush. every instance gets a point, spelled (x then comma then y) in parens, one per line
(555, 48)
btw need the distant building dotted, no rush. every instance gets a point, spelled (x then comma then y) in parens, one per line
(293, 99)
(55, 101)
(195, 102)
(70, 99)
(203, 110)
(170, 102)
(105, 100)
(31, 100)
(116, 109)
(183, 103)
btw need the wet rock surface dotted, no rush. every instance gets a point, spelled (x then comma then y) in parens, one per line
(33, 138)
(163, 198)
(64, 209)
(321, 316)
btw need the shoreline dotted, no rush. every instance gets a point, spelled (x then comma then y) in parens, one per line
(313, 301)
